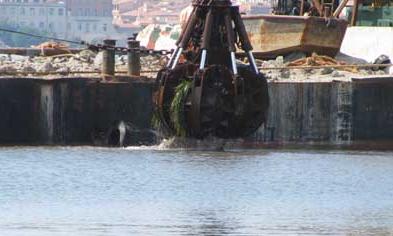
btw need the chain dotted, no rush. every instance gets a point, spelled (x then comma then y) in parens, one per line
(94, 47)
(98, 47)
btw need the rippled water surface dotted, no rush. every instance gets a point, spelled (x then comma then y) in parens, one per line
(95, 191)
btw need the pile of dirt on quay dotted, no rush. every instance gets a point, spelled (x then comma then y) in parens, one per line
(299, 68)
(282, 69)
(85, 61)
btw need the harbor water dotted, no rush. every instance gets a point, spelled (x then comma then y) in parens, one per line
(153, 191)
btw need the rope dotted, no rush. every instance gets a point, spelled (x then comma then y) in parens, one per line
(41, 36)
(94, 47)
(69, 73)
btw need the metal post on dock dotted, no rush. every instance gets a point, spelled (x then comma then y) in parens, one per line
(134, 60)
(327, 11)
(108, 60)
(355, 10)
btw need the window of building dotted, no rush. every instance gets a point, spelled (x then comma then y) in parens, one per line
(61, 11)
(22, 11)
(32, 11)
(104, 27)
(42, 11)
(42, 25)
(80, 26)
(51, 11)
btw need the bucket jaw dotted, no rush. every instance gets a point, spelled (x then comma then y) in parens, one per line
(209, 93)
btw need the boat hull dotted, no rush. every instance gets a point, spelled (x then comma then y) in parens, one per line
(273, 35)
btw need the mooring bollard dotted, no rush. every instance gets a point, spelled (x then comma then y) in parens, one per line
(134, 60)
(327, 11)
(108, 60)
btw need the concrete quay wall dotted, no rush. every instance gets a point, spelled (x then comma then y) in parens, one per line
(78, 111)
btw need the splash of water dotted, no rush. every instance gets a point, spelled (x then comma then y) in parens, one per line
(177, 143)
(180, 143)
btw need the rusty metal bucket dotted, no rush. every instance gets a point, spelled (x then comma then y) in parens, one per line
(273, 35)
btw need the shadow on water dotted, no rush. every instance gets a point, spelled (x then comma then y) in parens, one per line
(211, 223)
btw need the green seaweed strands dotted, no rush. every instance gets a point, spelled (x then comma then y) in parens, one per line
(156, 121)
(177, 107)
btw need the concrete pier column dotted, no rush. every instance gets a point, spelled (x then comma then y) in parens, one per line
(134, 60)
(108, 61)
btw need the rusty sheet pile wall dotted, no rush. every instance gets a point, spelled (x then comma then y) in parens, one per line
(72, 111)
(84, 111)
(334, 113)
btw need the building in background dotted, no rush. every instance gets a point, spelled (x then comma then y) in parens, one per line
(136, 14)
(46, 15)
(125, 13)
(90, 19)
(71, 19)
(94, 20)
